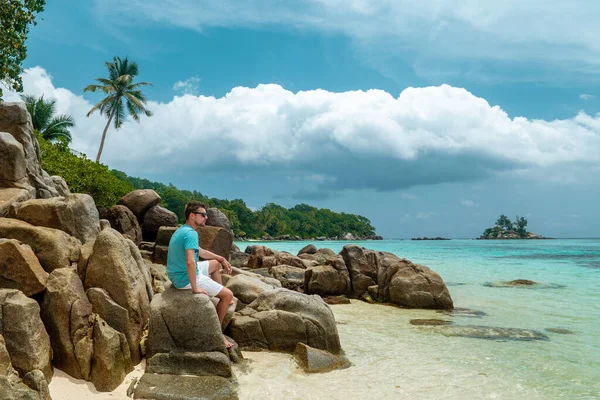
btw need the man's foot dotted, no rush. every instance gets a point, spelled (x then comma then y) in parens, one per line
(228, 344)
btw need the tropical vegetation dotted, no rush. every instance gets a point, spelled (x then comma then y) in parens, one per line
(108, 186)
(50, 126)
(505, 225)
(123, 96)
(15, 18)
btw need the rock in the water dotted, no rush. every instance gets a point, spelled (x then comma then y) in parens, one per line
(123, 220)
(154, 218)
(217, 218)
(53, 248)
(67, 315)
(281, 318)
(516, 282)
(491, 332)
(190, 363)
(562, 331)
(139, 201)
(20, 268)
(316, 360)
(362, 265)
(335, 300)
(429, 322)
(24, 333)
(75, 214)
(308, 249)
(174, 387)
(117, 267)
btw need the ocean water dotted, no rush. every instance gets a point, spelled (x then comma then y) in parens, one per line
(394, 359)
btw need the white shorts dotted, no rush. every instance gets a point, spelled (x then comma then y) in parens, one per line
(203, 280)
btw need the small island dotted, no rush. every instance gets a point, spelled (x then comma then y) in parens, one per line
(429, 238)
(506, 229)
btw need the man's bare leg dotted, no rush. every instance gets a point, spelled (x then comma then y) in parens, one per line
(225, 297)
(214, 270)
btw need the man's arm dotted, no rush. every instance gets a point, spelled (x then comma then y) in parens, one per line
(190, 263)
(209, 255)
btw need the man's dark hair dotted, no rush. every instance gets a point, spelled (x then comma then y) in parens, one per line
(191, 207)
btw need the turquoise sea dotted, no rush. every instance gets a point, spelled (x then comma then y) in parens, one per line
(394, 359)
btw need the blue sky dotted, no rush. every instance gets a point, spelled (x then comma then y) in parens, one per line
(428, 118)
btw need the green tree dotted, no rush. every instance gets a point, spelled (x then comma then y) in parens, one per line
(51, 127)
(15, 18)
(121, 93)
(504, 222)
(521, 226)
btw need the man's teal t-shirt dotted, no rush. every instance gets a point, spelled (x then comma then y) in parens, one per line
(183, 239)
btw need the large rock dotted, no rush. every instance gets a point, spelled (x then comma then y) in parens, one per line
(163, 237)
(123, 220)
(11, 387)
(284, 258)
(12, 163)
(10, 196)
(332, 278)
(111, 361)
(394, 279)
(308, 249)
(290, 277)
(248, 288)
(20, 268)
(24, 333)
(139, 201)
(183, 321)
(75, 214)
(53, 248)
(67, 315)
(257, 253)
(239, 259)
(280, 319)
(15, 120)
(216, 240)
(154, 218)
(190, 363)
(117, 267)
(217, 218)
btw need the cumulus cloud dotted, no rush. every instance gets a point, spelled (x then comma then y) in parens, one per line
(333, 141)
(428, 30)
(189, 86)
(586, 96)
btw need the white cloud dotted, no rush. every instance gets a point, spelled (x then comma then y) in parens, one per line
(352, 139)
(189, 86)
(468, 203)
(515, 30)
(585, 96)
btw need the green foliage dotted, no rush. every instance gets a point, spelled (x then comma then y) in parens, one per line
(82, 174)
(15, 18)
(504, 222)
(51, 127)
(521, 226)
(273, 220)
(123, 96)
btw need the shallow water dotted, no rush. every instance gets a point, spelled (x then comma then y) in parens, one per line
(393, 359)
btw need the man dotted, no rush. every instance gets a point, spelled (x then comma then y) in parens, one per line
(184, 269)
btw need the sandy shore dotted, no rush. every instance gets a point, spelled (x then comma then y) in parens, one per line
(65, 387)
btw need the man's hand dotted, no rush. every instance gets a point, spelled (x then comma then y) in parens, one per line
(200, 291)
(226, 265)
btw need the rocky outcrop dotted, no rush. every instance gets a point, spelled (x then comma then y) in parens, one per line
(20, 268)
(24, 333)
(246, 288)
(162, 386)
(10, 196)
(13, 388)
(53, 248)
(290, 277)
(124, 221)
(216, 240)
(111, 360)
(280, 319)
(74, 214)
(316, 360)
(16, 121)
(116, 266)
(239, 259)
(390, 278)
(154, 218)
(140, 201)
(308, 249)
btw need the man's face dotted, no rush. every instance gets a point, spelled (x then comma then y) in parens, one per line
(200, 216)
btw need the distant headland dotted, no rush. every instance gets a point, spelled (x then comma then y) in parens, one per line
(506, 229)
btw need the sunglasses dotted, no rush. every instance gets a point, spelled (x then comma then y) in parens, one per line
(200, 213)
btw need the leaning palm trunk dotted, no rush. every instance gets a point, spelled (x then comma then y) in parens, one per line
(104, 136)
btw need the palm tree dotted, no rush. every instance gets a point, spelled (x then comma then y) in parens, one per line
(121, 93)
(50, 127)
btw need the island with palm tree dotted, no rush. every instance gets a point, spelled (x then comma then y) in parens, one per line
(506, 229)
